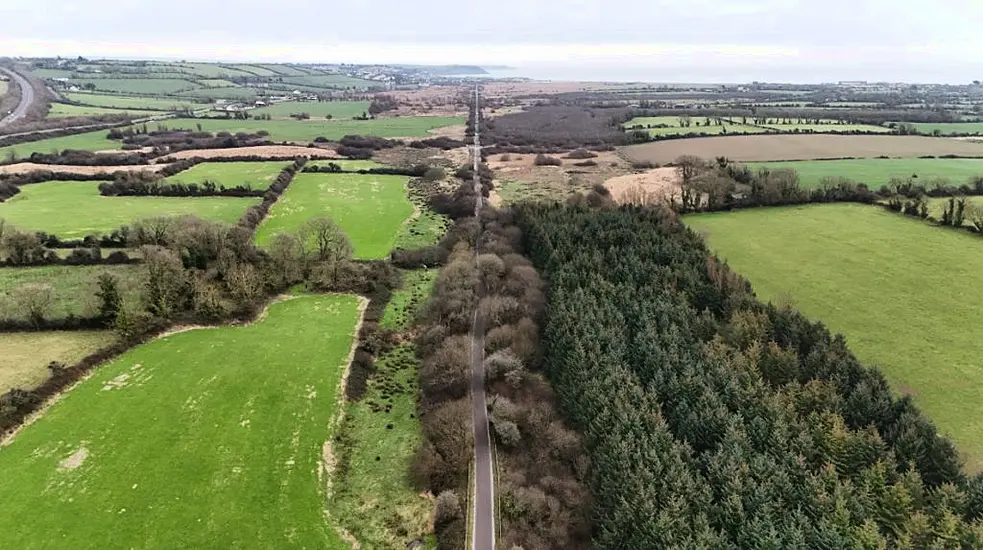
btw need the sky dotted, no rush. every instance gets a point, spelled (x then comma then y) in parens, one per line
(651, 40)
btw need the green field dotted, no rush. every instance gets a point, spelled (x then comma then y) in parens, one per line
(140, 85)
(317, 109)
(205, 439)
(125, 102)
(213, 71)
(878, 172)
(285, 70)
(25, 357)
(348, 164)
(216, 83)
(671, 126)
(74, 209)
(828, 128)
(306, 130)
(73, 287)
(89, 141)
(61, 110)
(949, 128)
(372, 497)
(902, 292)
(258, 175)
(237, 93)
(253, 69)
(370, 209)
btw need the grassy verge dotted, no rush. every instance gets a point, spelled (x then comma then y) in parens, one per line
(904, 294)
(372, 495)
(878, 172)
(205, 439)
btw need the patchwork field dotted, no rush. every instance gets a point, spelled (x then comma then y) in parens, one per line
(125, 102)
(89, 141)
(670, 125)
(25, 357)
(878, 172)
(306, 130)
(877, 278)
(330, 81)
(257, 175)
(203, 436)
(372, 497)
(370, 209)
(775, 147)
(73, 287)
(139, 85)
(316, 109)
(74, 209)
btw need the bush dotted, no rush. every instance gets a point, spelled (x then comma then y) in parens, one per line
(355, 153)
(580, 154)
(543, 160)
(434, 174)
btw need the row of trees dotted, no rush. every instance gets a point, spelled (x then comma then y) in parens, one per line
(714, 421)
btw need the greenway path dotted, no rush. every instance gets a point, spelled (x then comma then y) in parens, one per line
(483, 527)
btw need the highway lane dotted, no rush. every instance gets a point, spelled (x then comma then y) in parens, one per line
(26, 97)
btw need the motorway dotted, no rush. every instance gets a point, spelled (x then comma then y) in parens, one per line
(483, 512)
(26, 97)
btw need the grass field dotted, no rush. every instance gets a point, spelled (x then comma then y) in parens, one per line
(348, 164)
(950, 127)
(877, 278)
(125, 102)
(373, 499)
(877, 172)
(776, 147)
(671, 126)
(213, 71)
(205, 439)
(237, 93)
(73, 209)
(258, 175)
(828, 128)
(331, 81)
(140, 85)
(61, 110)
(74, 287)
(370, 209)
(216, 83)
(306, 130)
(25, 357)
(89, 141)
(317, 109)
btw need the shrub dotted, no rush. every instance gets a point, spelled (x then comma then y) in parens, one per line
(580, 154)
(543, 160)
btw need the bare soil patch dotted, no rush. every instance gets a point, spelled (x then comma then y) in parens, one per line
(519, 178)
(800, 147)
(654, 184)
(27, 167)
(274, 151)
(75, 460)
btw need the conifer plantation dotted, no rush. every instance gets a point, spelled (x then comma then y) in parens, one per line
(712, 420)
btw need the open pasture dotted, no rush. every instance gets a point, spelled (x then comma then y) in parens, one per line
(372, 210)
(346, 164)
(89, 141)
(25, 357)
(776, 147)
(824, 126)
(331, 81)
(257, 175)
(73, 287)
(62, 110)
(74, 209)
(203, 436)
(135, 103)
(876, 277)
(307, 130)
(671, 125)
(316, 109)
(877, 172)
(949, 128)
(140, 85)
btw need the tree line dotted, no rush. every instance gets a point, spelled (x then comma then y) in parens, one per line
(712, 420)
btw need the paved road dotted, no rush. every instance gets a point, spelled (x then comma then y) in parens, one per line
(483, 532)
(26, 98)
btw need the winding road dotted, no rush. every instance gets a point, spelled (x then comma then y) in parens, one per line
(483, 526)
(26, 97)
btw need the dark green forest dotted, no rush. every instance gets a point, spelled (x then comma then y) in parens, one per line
(712, 420)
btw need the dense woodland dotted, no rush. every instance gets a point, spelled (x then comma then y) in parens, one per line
(714, 421)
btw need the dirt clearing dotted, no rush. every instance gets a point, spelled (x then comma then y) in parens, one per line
(27, 167)
(651, 185)
(800, 147)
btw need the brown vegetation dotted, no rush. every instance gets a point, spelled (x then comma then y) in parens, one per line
(800, 147)
(646, 187)
(269, 151)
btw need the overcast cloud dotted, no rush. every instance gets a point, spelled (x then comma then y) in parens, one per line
(659, 40)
